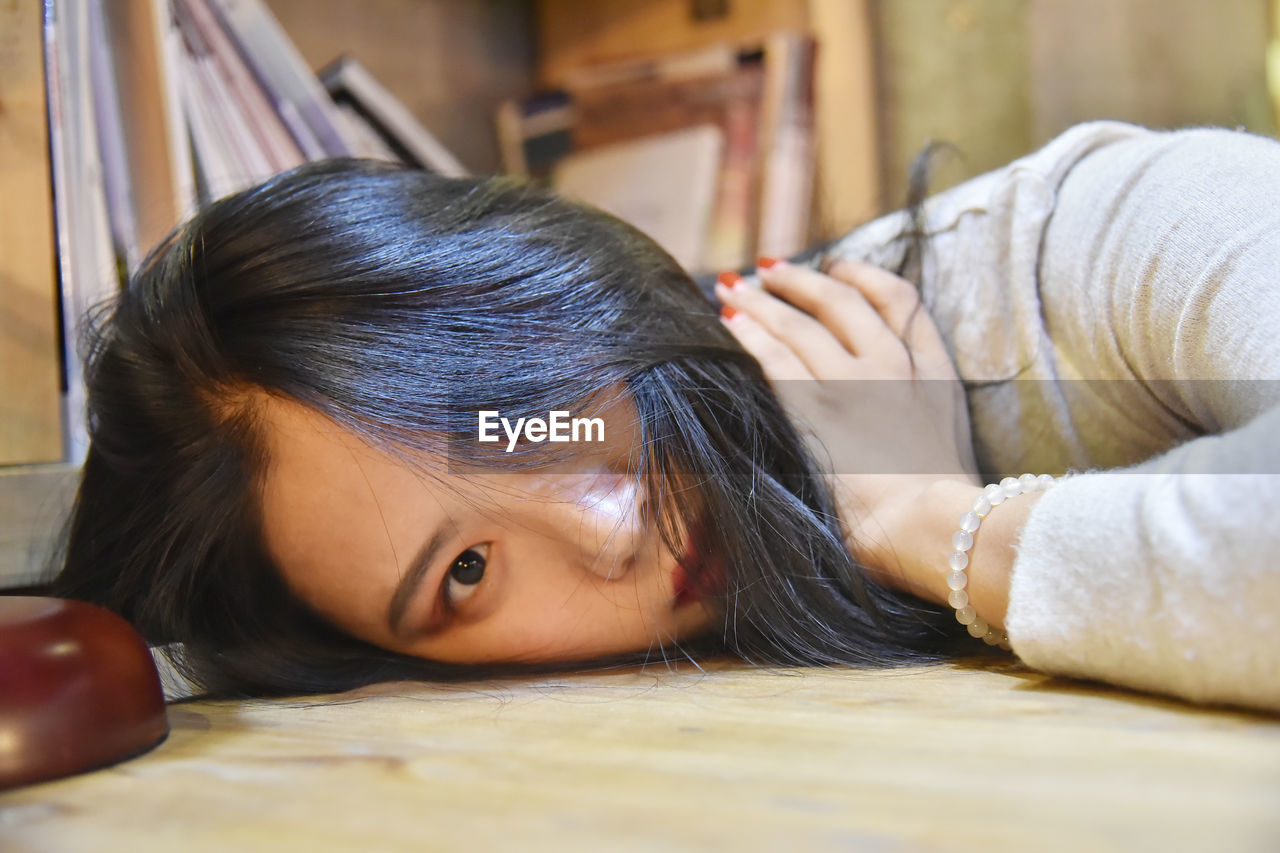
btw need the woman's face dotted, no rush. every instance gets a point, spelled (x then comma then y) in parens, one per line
(490, 568)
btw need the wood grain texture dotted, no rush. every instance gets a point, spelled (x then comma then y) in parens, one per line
(949, 758)
(30, 419)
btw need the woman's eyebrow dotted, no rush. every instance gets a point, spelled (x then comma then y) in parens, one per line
(412, 578)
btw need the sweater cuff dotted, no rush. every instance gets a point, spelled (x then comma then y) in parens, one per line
(1153, 581)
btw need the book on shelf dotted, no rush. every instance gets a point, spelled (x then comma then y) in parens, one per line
(758, 99)
(87, 272)
(367, 142)
(210, 47)
(157, 107)
(298, 96)
(133, 101)
(113, 147)
(368, 102)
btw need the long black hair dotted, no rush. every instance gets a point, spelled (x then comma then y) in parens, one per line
(394, 302)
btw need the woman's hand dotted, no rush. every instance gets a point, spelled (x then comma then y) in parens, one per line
(866, 377)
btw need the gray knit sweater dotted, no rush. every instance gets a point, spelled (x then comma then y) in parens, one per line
(1126, 283)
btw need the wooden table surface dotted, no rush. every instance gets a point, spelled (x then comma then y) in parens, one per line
(959, 758)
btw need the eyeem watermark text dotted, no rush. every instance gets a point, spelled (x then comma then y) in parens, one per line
(558, 426)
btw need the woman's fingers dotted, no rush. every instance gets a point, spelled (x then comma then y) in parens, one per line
(778, 360)
(898, 302)
(859, 321)
(894, 299)
(774, 325)
(842, 309)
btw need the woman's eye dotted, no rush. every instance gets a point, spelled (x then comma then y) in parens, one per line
(465, 574)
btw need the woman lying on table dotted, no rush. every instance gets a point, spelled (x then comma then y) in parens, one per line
(309, 466)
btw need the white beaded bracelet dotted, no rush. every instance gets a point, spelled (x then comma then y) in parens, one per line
(962, 540)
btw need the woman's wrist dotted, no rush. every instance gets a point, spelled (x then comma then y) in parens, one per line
(921, 527)
(937, 508)
(992, 553)
(899, 541)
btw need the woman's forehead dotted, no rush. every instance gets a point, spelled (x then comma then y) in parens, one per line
(326, 493)
(327, 490)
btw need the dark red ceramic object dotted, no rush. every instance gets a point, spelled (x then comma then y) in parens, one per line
(78, 690)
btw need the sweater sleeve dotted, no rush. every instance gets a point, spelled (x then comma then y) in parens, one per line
(1157, 577)
(1159, 266)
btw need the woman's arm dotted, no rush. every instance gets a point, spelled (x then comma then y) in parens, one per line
(1131, 277)
(1161, 577)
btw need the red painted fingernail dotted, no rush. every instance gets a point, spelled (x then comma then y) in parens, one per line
(765, 263)
(729, 279)
(728, 312)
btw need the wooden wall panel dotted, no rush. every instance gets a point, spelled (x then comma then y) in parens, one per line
(1273, 62)
(1162, 63)
(999, 78)
(952, 71)
(30, 425)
